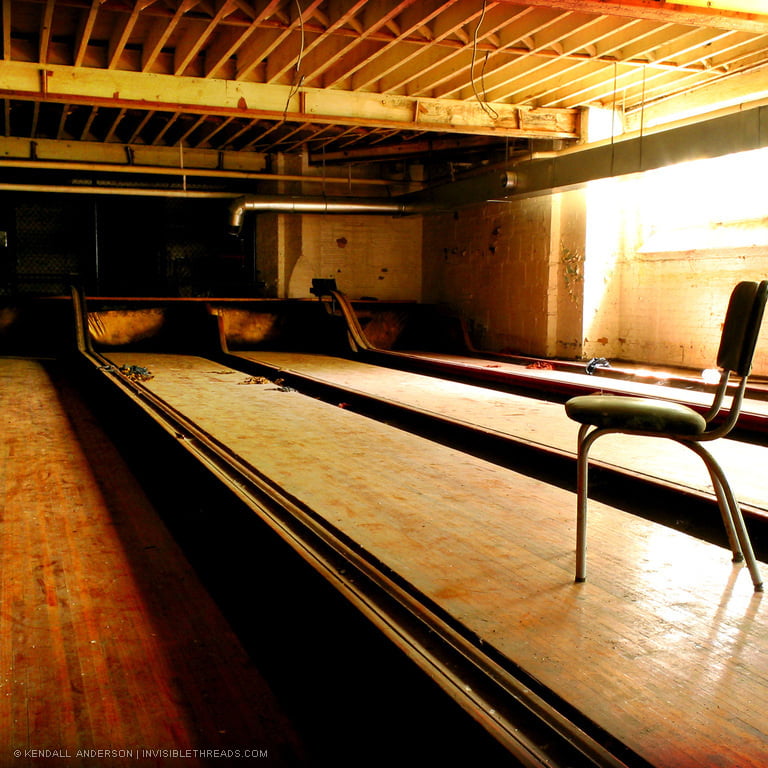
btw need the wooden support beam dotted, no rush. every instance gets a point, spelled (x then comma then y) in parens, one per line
(177, 94)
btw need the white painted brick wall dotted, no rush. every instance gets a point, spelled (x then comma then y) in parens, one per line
(377, 256)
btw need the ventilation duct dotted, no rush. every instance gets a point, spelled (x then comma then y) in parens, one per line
(722, 135)
(283, 204)
(446, 197)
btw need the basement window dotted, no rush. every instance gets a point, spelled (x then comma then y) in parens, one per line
(708, 205)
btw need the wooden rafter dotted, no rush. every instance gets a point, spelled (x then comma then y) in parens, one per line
(709, 15)
(46, 25)
(432, 69)
(195, 38)
(62, 121)
(230, 41)
(159, 33)
(255, 141)
(138, 90)
(597, 48)
(216, 129)
(411, 19)
(6, 30)
(84, 32)
(122, 33)
(551, 39)
(140, 127)
(260, 49)
(84, 133)
(248, 126)
(158, 137)
(34, 120)
(109, 135)
(285, 58)
(374, 21)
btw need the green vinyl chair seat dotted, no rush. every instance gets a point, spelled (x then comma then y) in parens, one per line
(635, 414)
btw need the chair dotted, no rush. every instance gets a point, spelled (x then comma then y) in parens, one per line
(604, 414)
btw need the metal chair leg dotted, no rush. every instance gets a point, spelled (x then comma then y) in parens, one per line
(731, 512)
(584, 442)
(726, 512)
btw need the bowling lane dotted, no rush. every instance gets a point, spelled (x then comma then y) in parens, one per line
(533, 421)
(664, 647)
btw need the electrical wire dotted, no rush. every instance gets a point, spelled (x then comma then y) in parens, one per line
(298, 78)
(487, 108)
(642, 119)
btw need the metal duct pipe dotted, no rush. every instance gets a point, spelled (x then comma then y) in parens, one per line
(285, 204)
(722, 135)
(122, 191)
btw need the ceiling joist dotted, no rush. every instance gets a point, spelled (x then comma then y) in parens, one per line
(339, 76)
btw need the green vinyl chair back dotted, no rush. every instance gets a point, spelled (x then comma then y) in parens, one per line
(604, 414)
(742, 327)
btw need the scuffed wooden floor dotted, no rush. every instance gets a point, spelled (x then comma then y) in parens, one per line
(665, 646)
(107, 639)
(538, 421)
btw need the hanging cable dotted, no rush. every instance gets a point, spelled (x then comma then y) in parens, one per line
(482, 76)
(613, 113)
(487, 108)
(642, 118)
(298, 77)
(181, 166)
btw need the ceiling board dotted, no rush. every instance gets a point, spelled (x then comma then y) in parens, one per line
(349, 76)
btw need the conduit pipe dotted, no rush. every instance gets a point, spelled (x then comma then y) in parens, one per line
(195, 171)
(446, 197)
(121, 191)
(286, 204)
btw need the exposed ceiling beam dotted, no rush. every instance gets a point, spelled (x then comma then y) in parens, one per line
(122, 32)
(404, 149)
(194, 39)
(6, 30)
(227, 44)
(96, 157)
(46, 25)
(149, 91)
(710, 14)
(159, 33)
(721, 94)
(84, 32)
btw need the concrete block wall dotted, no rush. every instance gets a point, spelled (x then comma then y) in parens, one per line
(491, 264)
(375, 256)
(566, 282)
(569, 274)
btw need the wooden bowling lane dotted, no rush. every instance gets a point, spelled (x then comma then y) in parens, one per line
(107, 639)
(664, 647)
(535, 421)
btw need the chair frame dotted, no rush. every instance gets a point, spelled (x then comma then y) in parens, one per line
(730, 510)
